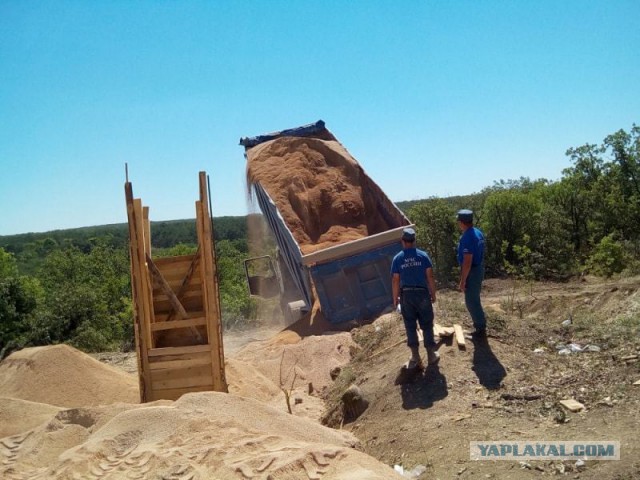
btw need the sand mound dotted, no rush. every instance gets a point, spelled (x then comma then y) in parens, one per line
(245, 380)
(202, 435)
(18, 416)
(61, 375)
(310, 359)
(322, 193)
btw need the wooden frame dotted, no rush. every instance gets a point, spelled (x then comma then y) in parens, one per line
(176, 306)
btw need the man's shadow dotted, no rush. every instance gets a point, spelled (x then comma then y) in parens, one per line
(428, 386)
(486, 365)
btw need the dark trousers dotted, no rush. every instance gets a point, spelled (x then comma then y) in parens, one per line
(472, 297)
(417, 309)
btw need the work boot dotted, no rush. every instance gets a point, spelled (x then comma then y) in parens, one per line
(415, 360)
(433, 357)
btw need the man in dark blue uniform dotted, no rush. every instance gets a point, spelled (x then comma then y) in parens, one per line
(471, 260)
(414, 288)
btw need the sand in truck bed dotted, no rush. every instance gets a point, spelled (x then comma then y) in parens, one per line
(323, 194)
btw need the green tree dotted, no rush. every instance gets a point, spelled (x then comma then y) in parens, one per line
(18, 301)
(509, 216)
(436, 233)
(85, 297)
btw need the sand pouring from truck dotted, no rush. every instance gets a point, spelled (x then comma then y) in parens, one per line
(335, 229)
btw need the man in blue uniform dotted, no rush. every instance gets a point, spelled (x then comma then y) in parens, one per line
(414, 288)
(471, 260)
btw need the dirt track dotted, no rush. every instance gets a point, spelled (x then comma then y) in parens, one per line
(502, 390)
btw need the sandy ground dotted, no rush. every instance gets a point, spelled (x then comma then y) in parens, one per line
(67, 415)
(55, 424)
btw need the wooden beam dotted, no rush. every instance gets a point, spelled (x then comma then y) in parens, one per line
(174, 364)
(147, 230)
(183, 382)
(164, 286)
(202, 370)
(459, 336)
(210, 283)
(144, 273)
(156, 352)
(175, 393)
(139, 305)
(187, 278)
(175, 303)
(171, 324)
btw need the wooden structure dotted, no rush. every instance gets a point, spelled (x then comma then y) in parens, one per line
(176, 306)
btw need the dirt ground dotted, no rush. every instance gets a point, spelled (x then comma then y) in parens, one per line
(499, 389)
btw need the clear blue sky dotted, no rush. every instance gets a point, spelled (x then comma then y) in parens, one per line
(434, 98)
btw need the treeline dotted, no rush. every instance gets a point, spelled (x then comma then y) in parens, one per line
(74, 285)
(588, 221)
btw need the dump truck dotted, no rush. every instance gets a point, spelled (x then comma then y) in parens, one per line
(350, 279)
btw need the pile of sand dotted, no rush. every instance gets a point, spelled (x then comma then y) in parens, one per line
(18, 416)
(310, 359)
(322, 193)
(202, 435)
(63, 376)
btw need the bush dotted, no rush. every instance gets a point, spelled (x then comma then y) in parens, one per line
(607, 257)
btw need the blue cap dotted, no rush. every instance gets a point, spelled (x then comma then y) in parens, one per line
(408, 234)
(465, 216)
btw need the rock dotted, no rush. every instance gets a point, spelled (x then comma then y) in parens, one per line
(525, 465)
(572, 405)
(335, 372)
(353, 403)
(580, 465)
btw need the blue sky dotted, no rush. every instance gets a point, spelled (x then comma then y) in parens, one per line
(434, 98)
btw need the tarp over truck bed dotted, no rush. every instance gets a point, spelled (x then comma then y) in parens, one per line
(329, 218)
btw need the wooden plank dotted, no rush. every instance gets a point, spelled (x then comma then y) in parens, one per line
(572, 405)
(163, 316)
(184, 287)
(139, 304)
(175, 273)
(175, 393)
(192, 287)
(178, 357)
(355, 246)
(188, 294)
(174, 364)
(190, 305)
(191, 371)
(155, 352)
(171, 324)
(164, 261)
(183, 382)
(162, 283)
(144, 273)
(210, 281)
(147, 230)
(447, 331)
(441, 331)
(459, 336)
(175, 303)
